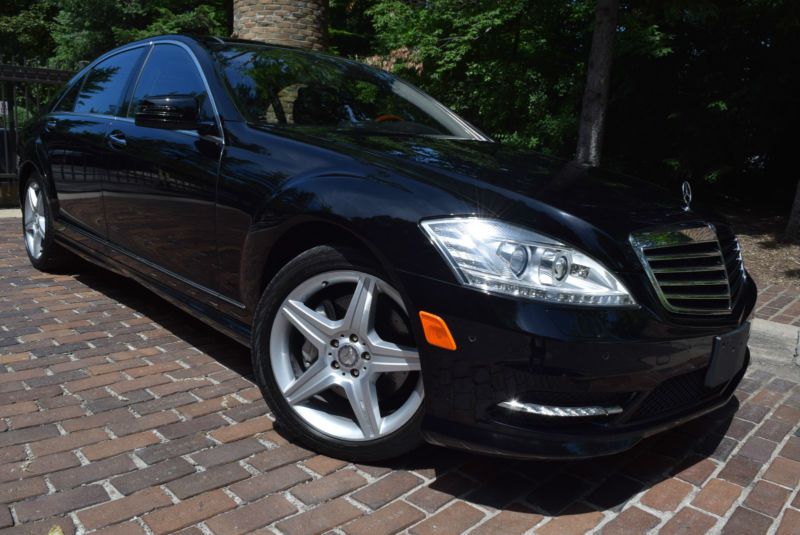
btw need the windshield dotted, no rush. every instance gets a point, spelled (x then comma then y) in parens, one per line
(308, 91)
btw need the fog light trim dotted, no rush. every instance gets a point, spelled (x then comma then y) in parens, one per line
(559, 412)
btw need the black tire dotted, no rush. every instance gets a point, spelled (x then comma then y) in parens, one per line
(53, 257)
(313, 262)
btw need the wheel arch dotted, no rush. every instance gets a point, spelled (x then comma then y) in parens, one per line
(26, 169)
(295, 238)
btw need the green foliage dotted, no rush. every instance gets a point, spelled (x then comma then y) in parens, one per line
(514, 67)
(65, 32)
(85, 28)
(25, 30)
(705, 90)
(351, 31)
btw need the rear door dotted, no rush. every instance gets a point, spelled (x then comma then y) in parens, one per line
(75, 139)
(161, 190)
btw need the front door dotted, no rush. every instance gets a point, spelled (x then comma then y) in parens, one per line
(161, 186)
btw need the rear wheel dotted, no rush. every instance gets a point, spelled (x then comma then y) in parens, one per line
(336, 359)
(38, 229)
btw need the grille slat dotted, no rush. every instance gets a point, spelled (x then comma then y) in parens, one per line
(697, 296)
(711, 254)
(692, 271)
(712, 282)
(688, 269)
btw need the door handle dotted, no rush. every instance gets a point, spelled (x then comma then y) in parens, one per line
(117, 140)
(50, 125)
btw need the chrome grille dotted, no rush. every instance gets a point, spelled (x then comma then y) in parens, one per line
(693, 270)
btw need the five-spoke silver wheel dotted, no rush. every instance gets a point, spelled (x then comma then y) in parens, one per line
(34, 220)
(332, 365)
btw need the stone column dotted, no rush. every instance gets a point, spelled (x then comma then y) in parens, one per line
(300, 23)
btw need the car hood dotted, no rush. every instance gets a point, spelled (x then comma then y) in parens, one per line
(616, 202)
(586, 207)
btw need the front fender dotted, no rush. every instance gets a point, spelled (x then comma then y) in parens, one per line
(379, 215)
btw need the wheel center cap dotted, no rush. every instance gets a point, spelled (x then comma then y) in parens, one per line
(348, 356)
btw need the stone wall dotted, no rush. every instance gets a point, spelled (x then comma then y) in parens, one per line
(300, 23)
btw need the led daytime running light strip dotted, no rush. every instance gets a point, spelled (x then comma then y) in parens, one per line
(565, 412)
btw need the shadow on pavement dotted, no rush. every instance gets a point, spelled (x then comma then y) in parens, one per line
(540, 486)
(182, 325)
(573, 487)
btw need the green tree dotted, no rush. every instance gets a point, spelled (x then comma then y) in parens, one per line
(515, 67)
(701, 90)
(83, 29)
(598, 81)
(25, 30)
(705, 91)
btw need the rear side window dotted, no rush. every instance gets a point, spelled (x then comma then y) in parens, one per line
(170, 70)
(104, 88)
(67, 102)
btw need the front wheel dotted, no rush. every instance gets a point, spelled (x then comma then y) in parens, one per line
(336, 359)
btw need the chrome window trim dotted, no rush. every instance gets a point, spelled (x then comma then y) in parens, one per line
(679, 235)
(138, 79)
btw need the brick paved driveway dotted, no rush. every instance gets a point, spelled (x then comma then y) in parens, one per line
(118, 410)
(779, 303)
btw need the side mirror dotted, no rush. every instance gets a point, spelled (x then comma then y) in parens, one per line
(169, 112)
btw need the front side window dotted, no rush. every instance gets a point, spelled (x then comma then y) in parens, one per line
(170, 71)
(310, 91)
(103, 90)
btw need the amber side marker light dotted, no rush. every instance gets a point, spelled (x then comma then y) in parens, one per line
(437, 333)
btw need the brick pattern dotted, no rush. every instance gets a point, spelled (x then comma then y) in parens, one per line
(152, 425)
(779, 303)
(299, 23)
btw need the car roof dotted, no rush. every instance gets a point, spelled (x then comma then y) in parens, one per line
(204, 45)
(212, 43)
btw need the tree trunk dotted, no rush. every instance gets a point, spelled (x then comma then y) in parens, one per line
(283, 22)
(595, 97)
(793, 228)
(229, 17)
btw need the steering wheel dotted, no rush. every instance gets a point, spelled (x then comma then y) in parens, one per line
(387, 117)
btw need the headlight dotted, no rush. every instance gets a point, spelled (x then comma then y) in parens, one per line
(502, 258)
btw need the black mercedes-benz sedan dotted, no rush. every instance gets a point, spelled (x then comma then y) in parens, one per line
(397, 274)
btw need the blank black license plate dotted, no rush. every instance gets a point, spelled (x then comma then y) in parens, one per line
(727, 356)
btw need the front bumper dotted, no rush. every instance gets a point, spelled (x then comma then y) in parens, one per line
(650, 364)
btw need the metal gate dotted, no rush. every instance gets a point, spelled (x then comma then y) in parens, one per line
(24, 90)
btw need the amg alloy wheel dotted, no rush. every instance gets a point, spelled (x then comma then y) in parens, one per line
(38, 228)
(342, 364)
(34, 219)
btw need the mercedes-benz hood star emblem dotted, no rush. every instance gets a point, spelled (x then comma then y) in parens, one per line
(686, 190)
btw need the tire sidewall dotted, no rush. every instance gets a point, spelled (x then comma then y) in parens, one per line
(313, 262)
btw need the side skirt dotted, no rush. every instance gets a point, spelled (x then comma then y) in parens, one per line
(206, 309)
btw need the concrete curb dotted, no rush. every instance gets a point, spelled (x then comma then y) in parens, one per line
(776, 348)
(10, 212)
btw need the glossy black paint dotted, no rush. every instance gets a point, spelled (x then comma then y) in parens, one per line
(75, 151)
(205, 219)
(160, 198)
